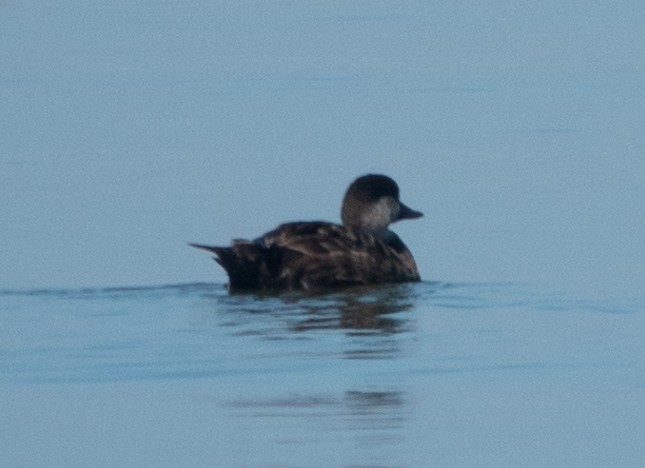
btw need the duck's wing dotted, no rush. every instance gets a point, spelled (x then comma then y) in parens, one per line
(318, 254)
(314, 255)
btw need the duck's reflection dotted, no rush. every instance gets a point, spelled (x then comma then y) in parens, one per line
(368, 415)
(306, 389)
(353, 402)
(371, 319)
(373, 309)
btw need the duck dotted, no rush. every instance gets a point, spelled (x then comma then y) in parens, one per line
(319, 255)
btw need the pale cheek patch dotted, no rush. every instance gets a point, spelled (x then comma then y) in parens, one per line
(381, 214)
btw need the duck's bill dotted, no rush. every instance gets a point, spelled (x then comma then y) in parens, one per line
(406, 212)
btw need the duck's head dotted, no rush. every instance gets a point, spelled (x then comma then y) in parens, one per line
(372, 203)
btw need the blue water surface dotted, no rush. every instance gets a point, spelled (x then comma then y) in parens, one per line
(129, 128)
(428, 374)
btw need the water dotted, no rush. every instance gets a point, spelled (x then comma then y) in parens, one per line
(428, 374)
(128, 129)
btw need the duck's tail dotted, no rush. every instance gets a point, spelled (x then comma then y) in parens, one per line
(245, 264)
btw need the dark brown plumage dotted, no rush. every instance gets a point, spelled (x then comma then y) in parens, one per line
(320, 255)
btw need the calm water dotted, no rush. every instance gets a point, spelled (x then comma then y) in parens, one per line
(430, 374)
(130, 128)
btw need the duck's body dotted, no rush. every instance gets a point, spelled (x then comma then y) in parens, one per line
(320, 255)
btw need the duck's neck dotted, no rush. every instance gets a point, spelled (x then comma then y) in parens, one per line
(389, 238)
(380, 232)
